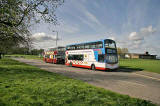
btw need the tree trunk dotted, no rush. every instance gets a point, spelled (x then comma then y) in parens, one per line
(0, 56)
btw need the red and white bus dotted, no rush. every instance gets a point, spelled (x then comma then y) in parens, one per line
(101, 55)
(55, 55)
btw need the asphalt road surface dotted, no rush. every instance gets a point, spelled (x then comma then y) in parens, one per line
(139, 84)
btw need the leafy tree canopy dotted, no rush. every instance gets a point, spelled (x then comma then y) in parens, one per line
(16, 17)
(122, 50)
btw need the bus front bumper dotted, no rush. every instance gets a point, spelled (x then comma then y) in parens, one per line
(112, 66)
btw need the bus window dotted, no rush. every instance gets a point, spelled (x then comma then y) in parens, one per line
(67, 47)
(92, 46)
(110, 43)
(46, 56)
(75, 57)
(86, 46)
(99, 45)
(78, 47)
(70, 57)
(81, 46)
(111, 50)
(70, 48)
(80, 57)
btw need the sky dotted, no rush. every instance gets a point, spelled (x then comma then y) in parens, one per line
(133, 24)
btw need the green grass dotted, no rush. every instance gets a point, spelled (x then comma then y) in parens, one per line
(141, 64)
(25, 56)
(22, 84)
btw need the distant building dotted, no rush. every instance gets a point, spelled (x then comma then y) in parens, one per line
(146, 55)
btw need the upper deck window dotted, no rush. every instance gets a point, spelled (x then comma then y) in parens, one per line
(71, 48)
(93, 45)
(86, 46)
(61, 49)
(110, 44)
(82, 46)
(99, 44)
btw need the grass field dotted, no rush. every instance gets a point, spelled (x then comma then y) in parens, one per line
(141, 64)
(22, 84)
(25, 56)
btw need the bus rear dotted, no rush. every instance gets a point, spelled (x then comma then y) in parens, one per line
(55, 55)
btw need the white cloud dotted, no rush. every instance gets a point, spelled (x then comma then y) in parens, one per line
(135, 36)
(142, 34)
(41, 37)
(147, 31)
(137, 41)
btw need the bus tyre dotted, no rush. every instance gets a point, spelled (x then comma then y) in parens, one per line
(93, 67)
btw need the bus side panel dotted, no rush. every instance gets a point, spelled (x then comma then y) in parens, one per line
(85, 63)
(82, 66)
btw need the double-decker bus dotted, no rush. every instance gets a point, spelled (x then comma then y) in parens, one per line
(55, 55)
(100, 54)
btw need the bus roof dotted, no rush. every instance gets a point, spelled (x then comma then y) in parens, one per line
(88, 42)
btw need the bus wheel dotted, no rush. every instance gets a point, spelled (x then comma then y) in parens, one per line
(93, 67)
(70, 64)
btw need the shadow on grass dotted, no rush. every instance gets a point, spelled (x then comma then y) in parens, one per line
(123, 69)
(120, 69)
(128, 69)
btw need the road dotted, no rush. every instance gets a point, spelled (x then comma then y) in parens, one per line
(139, 84)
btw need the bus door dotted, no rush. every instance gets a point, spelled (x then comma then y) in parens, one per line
(51, 58)
(54, 59)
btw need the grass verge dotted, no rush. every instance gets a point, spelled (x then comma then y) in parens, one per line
(141, 64)
(22, 84)
(25, 56)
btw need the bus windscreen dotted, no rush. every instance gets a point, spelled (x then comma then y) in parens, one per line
(110, 44)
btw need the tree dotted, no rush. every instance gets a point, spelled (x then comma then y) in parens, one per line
(36, 51)
(16, 16)
(122, 50)
(119, 51)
